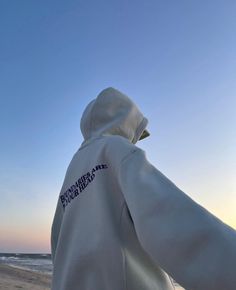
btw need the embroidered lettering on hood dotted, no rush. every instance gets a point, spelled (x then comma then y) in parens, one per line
(80, 185)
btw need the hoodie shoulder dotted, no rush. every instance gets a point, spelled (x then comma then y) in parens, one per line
(117, 148)
(119, 144)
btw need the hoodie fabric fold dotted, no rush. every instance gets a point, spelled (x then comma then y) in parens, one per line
(120, 224)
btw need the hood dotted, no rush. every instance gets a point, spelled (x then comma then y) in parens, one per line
(113, 113)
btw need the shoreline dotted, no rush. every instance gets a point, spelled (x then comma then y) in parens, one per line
(12, 278)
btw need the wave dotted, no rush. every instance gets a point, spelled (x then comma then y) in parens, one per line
(33, 262)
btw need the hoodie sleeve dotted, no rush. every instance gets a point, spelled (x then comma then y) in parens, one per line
(187, 241)
(55, 229)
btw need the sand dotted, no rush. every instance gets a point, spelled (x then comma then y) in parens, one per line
(13, 279)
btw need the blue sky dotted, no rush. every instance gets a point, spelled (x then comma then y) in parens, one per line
(175, 59)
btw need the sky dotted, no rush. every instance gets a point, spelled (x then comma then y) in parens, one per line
(175, 59)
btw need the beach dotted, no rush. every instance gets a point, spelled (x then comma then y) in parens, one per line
(12, 278)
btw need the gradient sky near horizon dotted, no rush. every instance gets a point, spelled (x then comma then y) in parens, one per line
(175, 59)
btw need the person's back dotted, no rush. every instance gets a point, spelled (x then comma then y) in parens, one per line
(119, 222)
(97, 247)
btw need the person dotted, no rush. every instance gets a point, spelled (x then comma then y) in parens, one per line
(120, 224)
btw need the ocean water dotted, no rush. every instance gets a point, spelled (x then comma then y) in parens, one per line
(34, 262)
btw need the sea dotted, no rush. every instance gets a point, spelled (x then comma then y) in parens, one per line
(34, 262)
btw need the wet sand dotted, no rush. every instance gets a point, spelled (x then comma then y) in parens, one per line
(13, 279)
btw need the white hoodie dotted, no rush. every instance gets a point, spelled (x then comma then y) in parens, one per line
(119, 221)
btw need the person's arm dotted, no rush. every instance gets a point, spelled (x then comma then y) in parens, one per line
(55, 228)
(187, 241)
